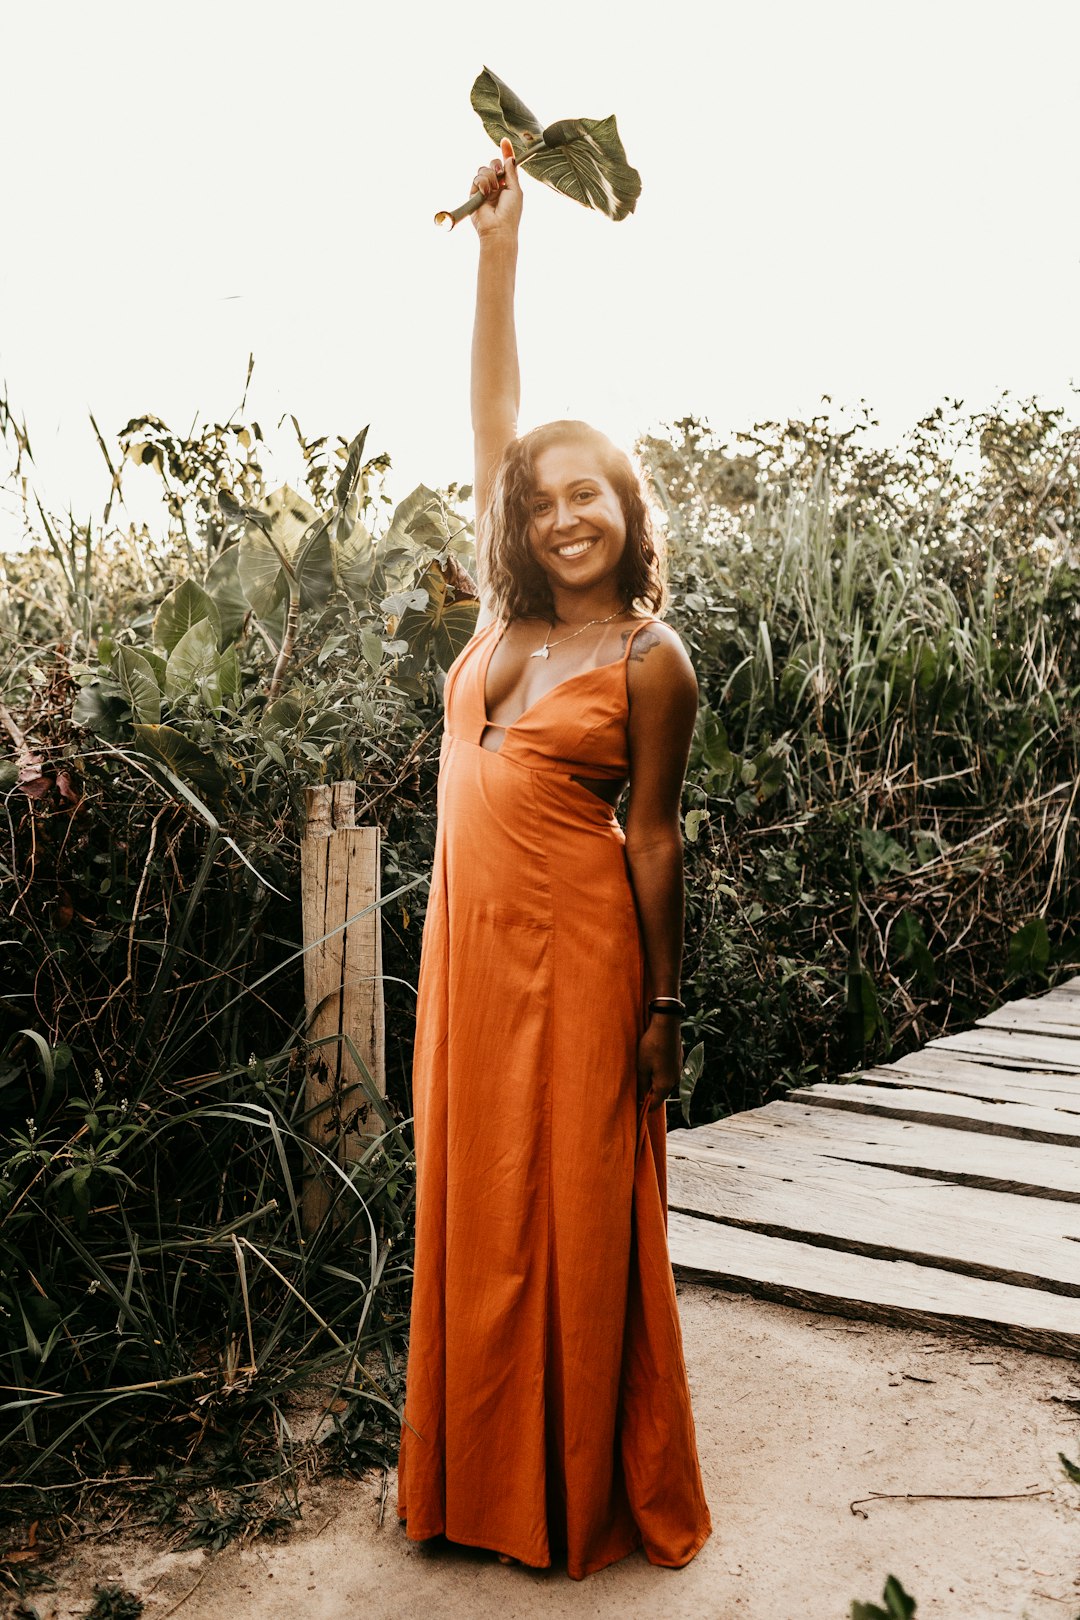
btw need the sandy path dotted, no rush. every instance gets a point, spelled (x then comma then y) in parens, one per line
(798, 1415)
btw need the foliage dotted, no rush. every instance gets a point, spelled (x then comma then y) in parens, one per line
(157, 1293)
(880, 837)
(879, 809)
(898, 1604)
(583, 158)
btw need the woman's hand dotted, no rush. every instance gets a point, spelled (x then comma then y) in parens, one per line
(659, 1060)
(499, 182)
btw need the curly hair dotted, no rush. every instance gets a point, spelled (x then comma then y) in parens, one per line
(510, 577)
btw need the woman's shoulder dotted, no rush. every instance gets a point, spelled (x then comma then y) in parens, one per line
(661, 655)
(658, 634)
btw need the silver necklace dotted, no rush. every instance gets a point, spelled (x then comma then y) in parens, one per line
(542, 652)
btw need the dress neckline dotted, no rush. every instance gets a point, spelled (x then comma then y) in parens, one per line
(581, 674)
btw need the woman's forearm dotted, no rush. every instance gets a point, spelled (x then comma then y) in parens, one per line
(656, 871)
(496, 382)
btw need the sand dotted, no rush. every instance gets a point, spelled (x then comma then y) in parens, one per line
(799, 1415)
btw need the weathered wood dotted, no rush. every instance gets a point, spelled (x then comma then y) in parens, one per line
(942, 1190)
(1063, 1018)
(894, 1291)
(863, 1210)
(1029, 1051)
(806, 1162)
(963, 1074)
(970, 1082)
(340, 880)
(957, 1112)
(1033, 1169)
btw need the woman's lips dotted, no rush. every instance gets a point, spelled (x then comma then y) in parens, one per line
(570, 557)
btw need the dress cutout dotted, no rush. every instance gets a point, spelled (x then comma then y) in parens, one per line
(547, 1407)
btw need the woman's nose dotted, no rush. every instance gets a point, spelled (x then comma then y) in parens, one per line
(565, 516)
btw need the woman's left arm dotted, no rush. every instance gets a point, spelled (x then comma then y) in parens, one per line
(663, 693)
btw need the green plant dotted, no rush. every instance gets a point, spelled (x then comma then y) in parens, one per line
(898, 1605)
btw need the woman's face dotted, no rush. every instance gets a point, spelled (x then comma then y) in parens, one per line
(577, 531)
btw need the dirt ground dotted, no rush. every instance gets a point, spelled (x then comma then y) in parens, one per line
(799, 1416)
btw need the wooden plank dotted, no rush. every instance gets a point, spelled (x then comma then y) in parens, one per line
(894, 1291)
(968, 1066)
(969, 1081)
(1060, 1005)
(340, 883)
(1030, 1051)
(1016, 1120)
(1052, 1020)
(807, 1163)
(863, 1210)
(1033, 1169)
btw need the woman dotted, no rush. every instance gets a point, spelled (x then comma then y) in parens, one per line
(547, 1408)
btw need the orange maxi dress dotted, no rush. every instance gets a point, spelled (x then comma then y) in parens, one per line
(547, 1409)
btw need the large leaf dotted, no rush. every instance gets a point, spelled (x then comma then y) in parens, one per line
(421, 520)
(182, 756)
(583, 158)
(188, 604)
(193, 660)
(356, 563)
(444, 626)
(346, 484)
(315, 565)
(223, 584)
(288, 518)
(138, 684)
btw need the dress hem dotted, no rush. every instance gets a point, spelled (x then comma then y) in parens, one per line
(547, 1563)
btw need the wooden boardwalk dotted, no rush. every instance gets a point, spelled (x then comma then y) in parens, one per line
(940, 1191)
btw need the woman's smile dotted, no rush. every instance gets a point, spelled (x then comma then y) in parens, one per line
(576, 548)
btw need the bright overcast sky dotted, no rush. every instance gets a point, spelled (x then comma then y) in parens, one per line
(868, 200)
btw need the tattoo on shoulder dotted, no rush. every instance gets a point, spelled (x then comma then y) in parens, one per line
(643, 642)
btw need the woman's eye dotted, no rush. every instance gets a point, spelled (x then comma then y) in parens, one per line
(589, 494)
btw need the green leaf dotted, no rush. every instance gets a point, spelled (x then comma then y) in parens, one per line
(193, 660)
(262, 578)
(907, 942)
(1029, 949)
(421, 520)
(346, 484)
(185, 606)
(286, 519)
(371, 646)
(315, 566)
(284, 713)
(356, 563)
(882, 854)
(228, 674)
(689, 1078)
(182, 756)
(139, 685)
(693, 823)
(222, 582)
(581, 157)
(864, 1013)
(452, 630)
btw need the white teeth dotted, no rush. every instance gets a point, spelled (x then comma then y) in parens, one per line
(576, 549)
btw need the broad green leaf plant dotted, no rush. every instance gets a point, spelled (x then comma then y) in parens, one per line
(581, 157)
(413, 596)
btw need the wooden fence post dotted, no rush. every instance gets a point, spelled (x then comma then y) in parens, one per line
(340, 874)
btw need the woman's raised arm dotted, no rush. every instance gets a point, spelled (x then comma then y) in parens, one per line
(496, 383)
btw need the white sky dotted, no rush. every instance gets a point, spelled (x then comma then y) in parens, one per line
(871, 200)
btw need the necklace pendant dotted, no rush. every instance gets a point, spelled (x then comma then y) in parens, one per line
(541, 652)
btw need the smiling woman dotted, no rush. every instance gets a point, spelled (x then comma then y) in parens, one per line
(547, 1408)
